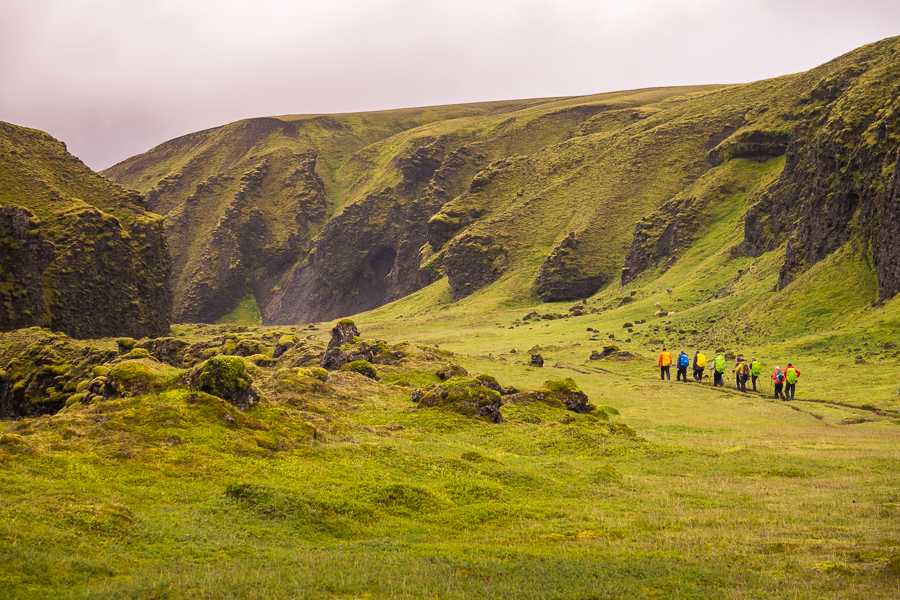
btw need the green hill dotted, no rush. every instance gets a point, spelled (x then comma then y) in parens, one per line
(79, 254)
(321, 217)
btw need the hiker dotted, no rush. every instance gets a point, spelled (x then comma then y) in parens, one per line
(755, 371)
(791, 375)
(699, 365)
(739, 375)
(778, 378)
(719, 371)
(681, 366)
(665, 359)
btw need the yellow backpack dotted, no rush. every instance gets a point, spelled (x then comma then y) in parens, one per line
(701, 360)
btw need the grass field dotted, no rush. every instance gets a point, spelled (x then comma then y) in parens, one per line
(360, 494)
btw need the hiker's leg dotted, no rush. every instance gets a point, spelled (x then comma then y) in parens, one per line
(753, 379)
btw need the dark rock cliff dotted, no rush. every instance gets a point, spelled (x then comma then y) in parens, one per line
(559, 280)
(24, 255)
(79, 254)
(840, 181)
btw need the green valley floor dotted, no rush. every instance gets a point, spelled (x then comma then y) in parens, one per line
(668, 490)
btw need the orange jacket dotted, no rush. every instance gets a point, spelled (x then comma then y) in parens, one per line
(665, 359)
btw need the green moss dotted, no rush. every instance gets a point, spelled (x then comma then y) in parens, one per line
(562, 386)
(133, 377)
(125, 344)
(136, 354)
(224, 368)
(362, 367)
(487, 380)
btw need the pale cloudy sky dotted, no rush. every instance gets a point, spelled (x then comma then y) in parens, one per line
(113, 78)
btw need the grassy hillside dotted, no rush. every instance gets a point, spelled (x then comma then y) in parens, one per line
(325, 216)
(79, 254)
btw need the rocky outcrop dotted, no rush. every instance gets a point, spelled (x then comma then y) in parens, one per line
(24, 255)
(79, 254)
(474, 260)
(660, 236)
(751, 144)
(840, 180)
(562, 275)
(368, 254)
(468, 397)
(560, 394)
(225, 377)
(248, 245)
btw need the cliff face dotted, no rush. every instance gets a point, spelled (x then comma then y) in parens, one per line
(80, 254)
(321, 217)
(838, 130)
(840, 180)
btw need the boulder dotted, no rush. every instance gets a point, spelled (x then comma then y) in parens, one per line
(563, 393)
(467, 397)
(537, 360)
(451, 371)
(225, 377)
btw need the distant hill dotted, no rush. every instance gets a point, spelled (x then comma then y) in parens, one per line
(316, 217)
(79, 254)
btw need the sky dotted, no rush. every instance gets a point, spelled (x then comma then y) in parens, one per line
(113, 78)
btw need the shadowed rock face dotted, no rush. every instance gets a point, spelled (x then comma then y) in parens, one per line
(561, 276)
(24, 255)
(79, 254)
(840, 181)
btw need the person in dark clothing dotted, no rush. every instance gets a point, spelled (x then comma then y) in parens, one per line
(791, 375)
(778, 378)
(719, 371)
(740, 382)
(681, 365)
(699, 366)
(755, 371)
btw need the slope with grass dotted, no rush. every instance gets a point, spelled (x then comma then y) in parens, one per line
(320, 217)
(79, 254)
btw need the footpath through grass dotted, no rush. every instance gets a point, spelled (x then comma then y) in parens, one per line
(719, 495)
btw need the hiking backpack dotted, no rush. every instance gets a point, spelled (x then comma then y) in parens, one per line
(779, 377)
(746, 371)
(683, 361)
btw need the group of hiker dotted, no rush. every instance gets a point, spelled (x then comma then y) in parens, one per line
(784, 380)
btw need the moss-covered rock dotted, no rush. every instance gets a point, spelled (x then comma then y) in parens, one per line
(465, 396)
(136, 377)
(285, 343)
(136, 354)
(299, 386)
(43, 369)
(225, 377)
(491, 383)
(451, 371)
(125, 344)
(563, 393)
(169, 350)
(362, 367)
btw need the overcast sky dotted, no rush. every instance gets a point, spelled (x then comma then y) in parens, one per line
(113, 78)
